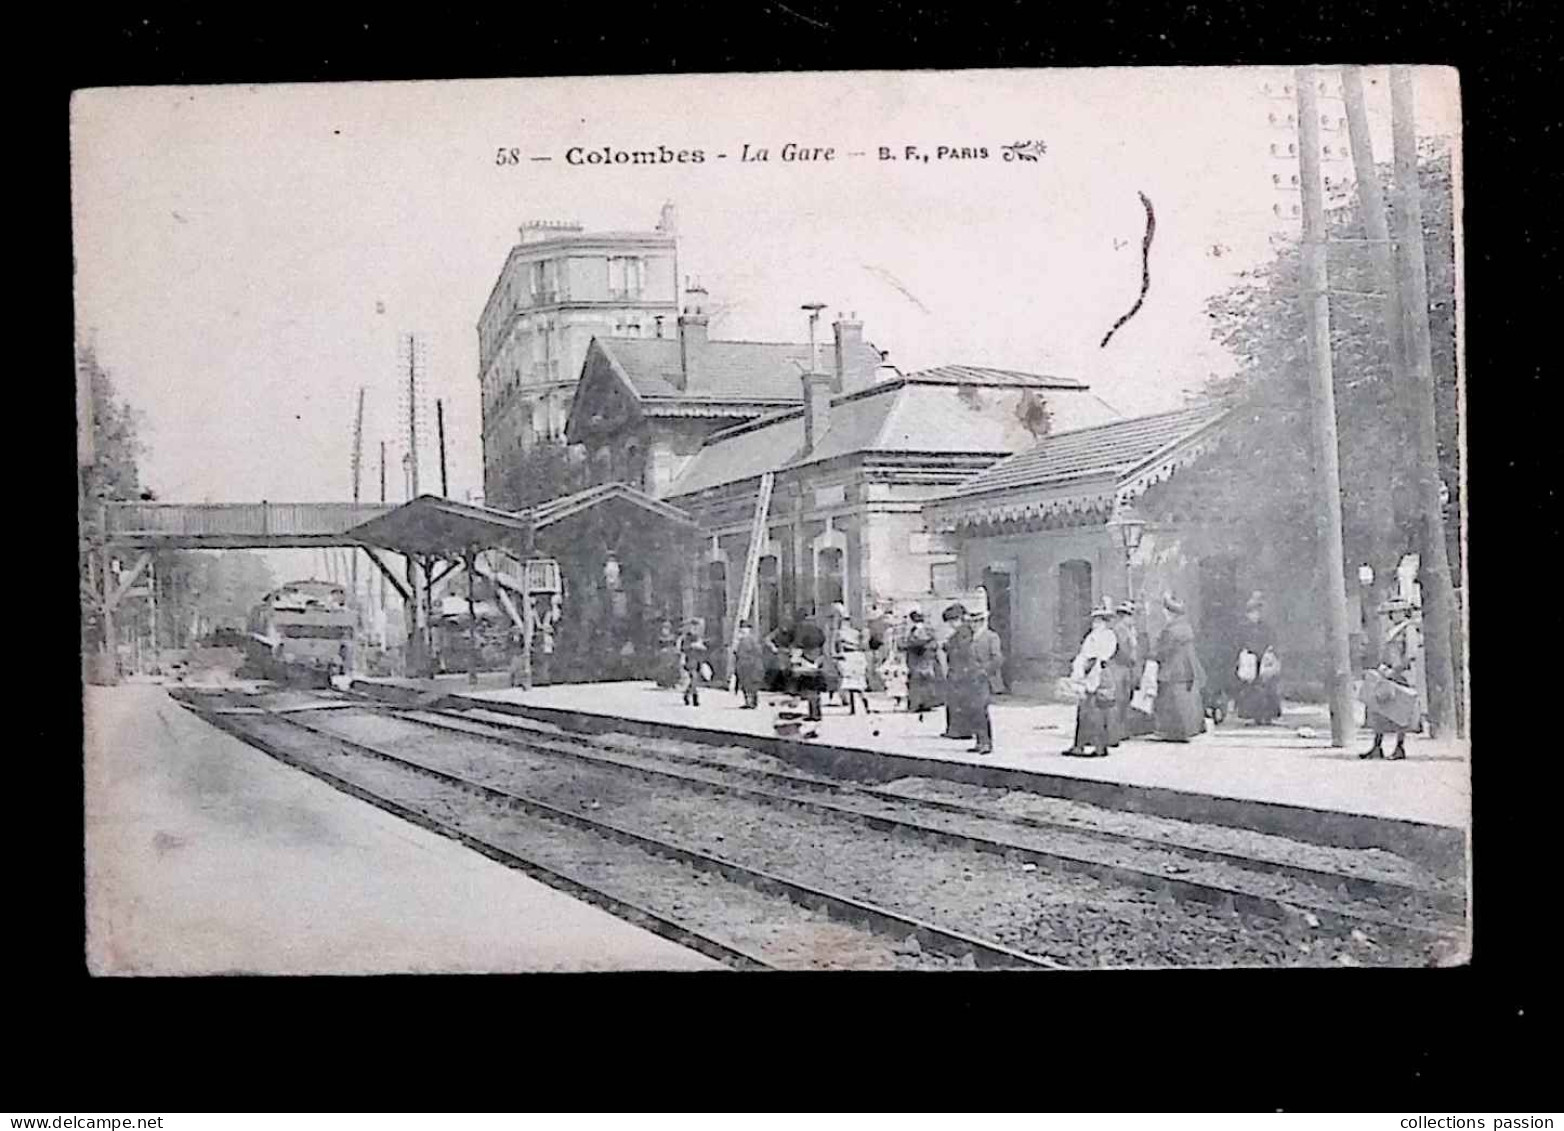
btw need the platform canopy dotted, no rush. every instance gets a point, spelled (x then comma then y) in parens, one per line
(637, 505)
(430, 526)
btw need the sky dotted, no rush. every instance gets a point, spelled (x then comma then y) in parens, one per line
(248, 257)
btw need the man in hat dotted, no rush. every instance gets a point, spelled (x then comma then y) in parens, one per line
(1179, 714)
(966, 682)
(809, 672)
(989, 652)
(1125, 665)
(956, 652)
(749, 665)
(1390, 698)
(1257, 667)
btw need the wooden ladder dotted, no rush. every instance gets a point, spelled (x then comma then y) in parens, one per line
(757, 542)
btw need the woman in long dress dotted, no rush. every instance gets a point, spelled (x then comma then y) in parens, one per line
(1092, 675)
(923, 675)
(1256, 698)
(1179, 714)
(1390, 697)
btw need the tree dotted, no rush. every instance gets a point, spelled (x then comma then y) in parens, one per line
(1260, 474)
(112, 476)
(117, 446)
(1266, 457)
(546, 470)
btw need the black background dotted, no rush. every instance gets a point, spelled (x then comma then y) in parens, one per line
(1407, 1041)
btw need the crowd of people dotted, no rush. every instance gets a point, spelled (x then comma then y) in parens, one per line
(1123, 688)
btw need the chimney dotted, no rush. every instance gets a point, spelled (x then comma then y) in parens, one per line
(817, 408)
(667, 220)
(692, 335)
(852, 373)
(886, 370)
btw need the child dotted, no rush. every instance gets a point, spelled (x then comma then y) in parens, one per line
(894, 672)
(853, 665)
(693, 650)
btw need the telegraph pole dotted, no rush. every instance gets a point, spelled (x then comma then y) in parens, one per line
(1438, 592)
(358, 464)
(412, 414)
(1316, 284)
(1371, 203)
(439, 416)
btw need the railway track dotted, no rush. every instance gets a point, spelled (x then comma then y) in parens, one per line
(1056, 843)
(1369, 919)
(774, 922)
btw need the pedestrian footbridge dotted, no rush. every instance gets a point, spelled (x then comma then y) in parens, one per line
(236, 526)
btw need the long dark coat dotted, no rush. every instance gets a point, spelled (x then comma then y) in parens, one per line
(967, 691)
(749, 663)
(1123, 669)
(1179, 712)
(924, 692)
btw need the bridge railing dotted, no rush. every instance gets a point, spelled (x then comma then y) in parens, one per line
(238, 520)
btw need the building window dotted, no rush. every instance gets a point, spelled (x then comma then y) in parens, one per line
(602, 466)
(830, 583)
(545, 282)
(1075, 605)
(768, 597)
(716, 602)
(625, 275)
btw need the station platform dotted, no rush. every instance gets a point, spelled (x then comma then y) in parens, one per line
(1274, 779)
(205, 856)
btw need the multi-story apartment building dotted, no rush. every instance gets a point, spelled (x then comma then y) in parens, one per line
(561, 287)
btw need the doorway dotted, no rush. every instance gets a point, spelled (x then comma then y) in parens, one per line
(1075, 606)
(1221, 612)
(997, 584)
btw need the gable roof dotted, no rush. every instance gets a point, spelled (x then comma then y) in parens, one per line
(1116, 450)
(905, 415)
(435, 526)
(749, 372)
(557, 510)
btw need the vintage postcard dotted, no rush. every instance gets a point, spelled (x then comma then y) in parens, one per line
(841, 521)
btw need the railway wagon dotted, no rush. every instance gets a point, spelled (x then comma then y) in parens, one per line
(303, 626)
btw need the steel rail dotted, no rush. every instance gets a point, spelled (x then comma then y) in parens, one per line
(1361, 887)
(843, 908)
(1210, 893)
(632, 913)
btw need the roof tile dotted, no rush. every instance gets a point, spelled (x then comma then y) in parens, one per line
(1105, 449)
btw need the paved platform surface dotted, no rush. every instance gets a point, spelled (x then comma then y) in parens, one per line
(206, 856)
(1237, 760)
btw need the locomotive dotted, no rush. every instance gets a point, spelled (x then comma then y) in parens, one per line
(302, 632)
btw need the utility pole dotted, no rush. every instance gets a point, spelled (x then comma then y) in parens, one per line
(1371, 203)
(412, 414)
(358, 464)
(415, 583)
(1438, 591)
(439, 416)
(1316, 284)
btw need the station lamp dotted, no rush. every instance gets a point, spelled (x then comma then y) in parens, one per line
(1128, 526)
